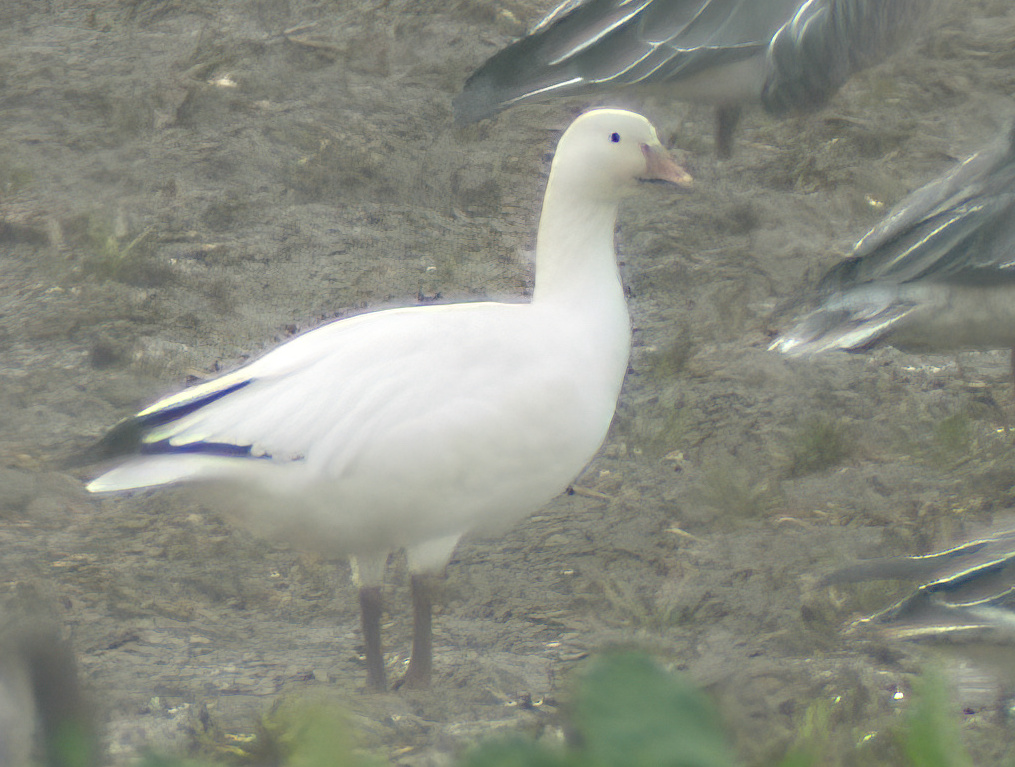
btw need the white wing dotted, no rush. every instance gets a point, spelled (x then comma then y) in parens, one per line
(382, 392)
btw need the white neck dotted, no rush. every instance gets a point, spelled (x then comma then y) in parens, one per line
(575, 255)
(577, 279)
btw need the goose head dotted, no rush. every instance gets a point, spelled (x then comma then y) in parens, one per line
(605, 152)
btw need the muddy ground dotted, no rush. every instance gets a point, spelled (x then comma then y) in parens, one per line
(185, 183)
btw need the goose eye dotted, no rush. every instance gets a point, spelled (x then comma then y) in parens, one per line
(615, 138)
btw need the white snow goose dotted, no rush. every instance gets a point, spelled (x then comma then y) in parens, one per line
(406, 428)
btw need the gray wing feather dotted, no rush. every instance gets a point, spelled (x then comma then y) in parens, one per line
(958, 229)
(604, 44)
(853, 322)
(970, 584)
(828, 41)
(811, 48)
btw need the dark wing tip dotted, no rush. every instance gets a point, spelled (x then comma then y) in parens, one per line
(123, 439)
(476, 102)
(127, 436)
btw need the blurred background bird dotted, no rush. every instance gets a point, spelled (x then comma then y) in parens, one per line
(45, 716)
(962, 607)
(937, 274)
(786, 55)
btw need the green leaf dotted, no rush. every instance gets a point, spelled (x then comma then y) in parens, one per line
(933, 737)
(631, 712)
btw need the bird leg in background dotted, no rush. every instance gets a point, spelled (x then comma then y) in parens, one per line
(726, 120)
(370, 616)
(421, 660)
(1012, 363)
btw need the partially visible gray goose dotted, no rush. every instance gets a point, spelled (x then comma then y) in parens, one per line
(937, 274)
(784, 54)
(963, 601)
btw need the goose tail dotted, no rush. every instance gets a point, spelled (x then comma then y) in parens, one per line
(852, 322)
(158, 470)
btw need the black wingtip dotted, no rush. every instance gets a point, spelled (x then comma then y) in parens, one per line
(127, 436)
(478, 99)
(123, 439)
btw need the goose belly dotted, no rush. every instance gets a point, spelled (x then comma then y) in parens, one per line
(469, 464)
